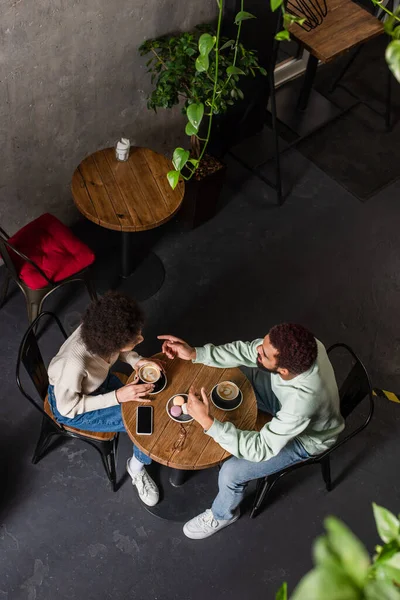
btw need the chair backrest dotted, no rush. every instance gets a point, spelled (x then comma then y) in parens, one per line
(355, 388)
(31, 358)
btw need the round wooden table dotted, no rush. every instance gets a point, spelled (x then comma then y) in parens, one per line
(131, 196)
(186, 447)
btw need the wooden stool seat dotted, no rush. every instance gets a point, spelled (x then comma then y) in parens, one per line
(345, 26)
(95, 435)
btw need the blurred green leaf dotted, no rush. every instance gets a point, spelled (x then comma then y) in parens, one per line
(202, 63)
(180, 158)
(386, 523)
(392, 56)
(350, 551)
(195, 114)
(325, 584)
(228, 44)
(324, 556)
(243, 16)
(263, 71)
(281, 594)
(381, 590)
(282, 35)
(194, 161)
(234, 71)
(173, 178)
(275, 4)
(206, 43)
(190, 130)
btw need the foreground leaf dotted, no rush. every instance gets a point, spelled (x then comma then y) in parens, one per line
(381, 590)
(234, 71)
(243, 16)
(282, 35)
(275, 4)
(180, 158)
(228, 44)
(392, 56)
(281, 594)
(324, 584)
(195, 114)
(386, 523)
(206, 43)
(202, 63)
(173, 178)
(348, 548)
(190, 130)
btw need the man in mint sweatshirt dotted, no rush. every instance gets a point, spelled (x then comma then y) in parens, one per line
(294, 381)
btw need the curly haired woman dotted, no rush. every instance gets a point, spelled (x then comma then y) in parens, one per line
(293, 381)
(82, 391)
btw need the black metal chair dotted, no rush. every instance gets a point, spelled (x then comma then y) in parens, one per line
(31, 238)
(30, 356)
(354, 389)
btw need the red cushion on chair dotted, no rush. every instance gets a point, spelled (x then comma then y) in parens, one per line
(53, 247)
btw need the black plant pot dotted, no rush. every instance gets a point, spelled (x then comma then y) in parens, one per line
(201, 198)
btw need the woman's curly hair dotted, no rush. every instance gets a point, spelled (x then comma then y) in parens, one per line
(296, 346)
(111, 323)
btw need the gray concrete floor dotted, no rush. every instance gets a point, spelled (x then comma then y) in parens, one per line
(323, 259)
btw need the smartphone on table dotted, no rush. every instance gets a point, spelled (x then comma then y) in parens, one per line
(144, 420)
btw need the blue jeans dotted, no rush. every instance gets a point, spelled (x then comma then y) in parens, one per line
(103, 419)
(236, 473)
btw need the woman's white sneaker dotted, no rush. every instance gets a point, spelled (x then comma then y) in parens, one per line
(205, 525)
(146, 487)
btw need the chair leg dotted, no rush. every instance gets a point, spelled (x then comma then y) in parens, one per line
(108, 456)
(388, 111)
(326, 472)
(344, 70)
(46, 433)
(264, 486)
(4, 288)
(90, 286)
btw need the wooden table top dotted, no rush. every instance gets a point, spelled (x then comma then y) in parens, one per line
(345, 26)
(199, 451)
(126, 196)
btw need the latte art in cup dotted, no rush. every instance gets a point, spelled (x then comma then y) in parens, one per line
(227, 390)
(149, 373)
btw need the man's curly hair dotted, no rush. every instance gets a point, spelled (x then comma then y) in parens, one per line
(296, 346)
(111, 323)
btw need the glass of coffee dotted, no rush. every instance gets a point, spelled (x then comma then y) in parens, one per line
(149, 373)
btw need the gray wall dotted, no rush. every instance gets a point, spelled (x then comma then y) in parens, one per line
(71, 82)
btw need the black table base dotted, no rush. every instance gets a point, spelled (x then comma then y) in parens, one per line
(183, 502)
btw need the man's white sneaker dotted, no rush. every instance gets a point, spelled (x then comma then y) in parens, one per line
(205, 525)
(147, 489)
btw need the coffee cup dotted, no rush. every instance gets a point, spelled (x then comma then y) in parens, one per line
(149, 373)
(227, 392)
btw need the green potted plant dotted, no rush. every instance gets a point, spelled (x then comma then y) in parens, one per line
(343, 568)
(201, 71)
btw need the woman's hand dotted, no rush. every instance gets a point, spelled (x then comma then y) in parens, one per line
(134, 392)
(160, 364)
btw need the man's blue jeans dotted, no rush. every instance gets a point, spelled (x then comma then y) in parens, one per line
(236, 473)
(103, 419)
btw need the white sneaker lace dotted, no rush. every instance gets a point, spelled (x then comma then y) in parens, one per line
(144, 483)
(206, 520)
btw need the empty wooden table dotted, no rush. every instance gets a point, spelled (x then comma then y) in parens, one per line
(132, 196)
(186, 447)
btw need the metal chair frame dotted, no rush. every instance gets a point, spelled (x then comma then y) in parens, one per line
(30, 356)
(265, 484)
(35, 298)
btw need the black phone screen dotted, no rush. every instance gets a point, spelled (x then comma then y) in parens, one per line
(144, 419)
